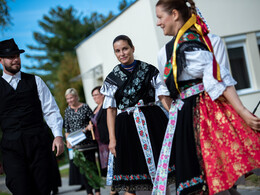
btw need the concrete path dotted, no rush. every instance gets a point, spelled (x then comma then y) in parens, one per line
(71, 190)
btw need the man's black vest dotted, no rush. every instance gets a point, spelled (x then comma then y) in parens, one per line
(20, 109)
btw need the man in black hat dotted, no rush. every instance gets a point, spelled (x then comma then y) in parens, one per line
(26, 145)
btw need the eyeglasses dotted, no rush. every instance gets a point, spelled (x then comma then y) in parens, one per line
(94, 95)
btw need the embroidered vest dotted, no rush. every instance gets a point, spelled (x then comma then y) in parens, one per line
(190, 41)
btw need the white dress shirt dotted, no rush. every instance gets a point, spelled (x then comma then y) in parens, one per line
(50, 109)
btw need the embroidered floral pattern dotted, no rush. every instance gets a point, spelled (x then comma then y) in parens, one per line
(143, 134)
(119, 73)
(132, 89)
(190, 183)
(110, 169)
(160, 182)
(229, 150)
(136, 176)
(188, 36)
(193, 90)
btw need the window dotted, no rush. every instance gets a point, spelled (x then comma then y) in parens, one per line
(239, 67)
(258, 41)
(238, 61)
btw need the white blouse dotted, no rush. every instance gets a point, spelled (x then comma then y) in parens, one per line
(109, 91)
(199, 65)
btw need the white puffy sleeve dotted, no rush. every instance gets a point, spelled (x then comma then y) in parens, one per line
(159, 86)
(108, 90)
(157, 81)
(161, 59)
(199, 65)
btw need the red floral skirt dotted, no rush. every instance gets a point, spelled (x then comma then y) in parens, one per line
(229, 147)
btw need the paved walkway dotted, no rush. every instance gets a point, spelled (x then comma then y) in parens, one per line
(71, 190)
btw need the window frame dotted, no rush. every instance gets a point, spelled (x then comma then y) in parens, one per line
(258, 39)
(235, 42)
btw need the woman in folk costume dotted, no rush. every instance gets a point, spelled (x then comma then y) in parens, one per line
(216, 139)
(136, 133)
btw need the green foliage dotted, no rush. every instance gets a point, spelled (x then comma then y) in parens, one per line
(62, 30)
(124, 3)
(253, 180)
(5, 18)
(4, 193)
(54, 53)
(68, 70)
(89, 169)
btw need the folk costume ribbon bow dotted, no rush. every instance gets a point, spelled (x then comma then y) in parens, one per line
(202, 30)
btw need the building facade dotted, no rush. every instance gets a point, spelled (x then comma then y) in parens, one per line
(235, 21)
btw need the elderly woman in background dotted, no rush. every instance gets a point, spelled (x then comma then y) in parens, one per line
(77, 116)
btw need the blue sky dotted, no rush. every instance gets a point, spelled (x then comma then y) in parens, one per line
(26, 14)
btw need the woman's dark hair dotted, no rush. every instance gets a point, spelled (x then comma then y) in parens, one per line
(96, 88)
(180, 5)
(124, 38)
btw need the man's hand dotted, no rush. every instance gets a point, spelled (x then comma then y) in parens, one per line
(1, 169)
(58, 143)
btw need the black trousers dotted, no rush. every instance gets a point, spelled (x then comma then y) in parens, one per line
(27, 163)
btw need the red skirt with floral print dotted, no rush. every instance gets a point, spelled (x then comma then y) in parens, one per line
(229, 147)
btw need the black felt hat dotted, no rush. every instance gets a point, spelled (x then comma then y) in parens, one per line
(8, 48)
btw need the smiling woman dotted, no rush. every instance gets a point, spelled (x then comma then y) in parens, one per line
(215, 138)
(136, 133)
(77, 117)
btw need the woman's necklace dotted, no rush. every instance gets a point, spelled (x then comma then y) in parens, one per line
(75, 108)
(129, 67)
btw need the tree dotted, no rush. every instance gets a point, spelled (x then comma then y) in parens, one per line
(68, 69)
(5, 18)
(63, 30)
(124, 3)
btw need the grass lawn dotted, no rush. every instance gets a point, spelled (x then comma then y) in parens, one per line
(253, 180)
(63, 173)
(4, 193)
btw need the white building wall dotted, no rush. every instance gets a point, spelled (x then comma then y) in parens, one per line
(231, 17)
(137, 22)
(226, 18)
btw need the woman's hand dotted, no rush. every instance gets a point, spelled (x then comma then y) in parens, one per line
(250, 119)
(68, 145)
(111, 119)
(112, 147)
(166, 101)
(89, 127)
